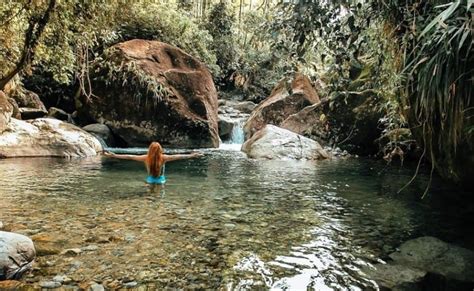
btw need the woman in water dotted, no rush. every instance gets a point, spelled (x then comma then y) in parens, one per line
(154, 161)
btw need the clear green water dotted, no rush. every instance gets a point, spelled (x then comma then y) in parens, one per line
(222, 221)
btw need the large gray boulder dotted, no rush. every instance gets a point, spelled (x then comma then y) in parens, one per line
(17, 253)
(272, 142)
(102, 131)
(46, 137)
(436, 256)
(426, 263)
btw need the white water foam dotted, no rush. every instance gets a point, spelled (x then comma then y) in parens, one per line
(236, 137)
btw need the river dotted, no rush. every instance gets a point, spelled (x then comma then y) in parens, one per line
(222, 221)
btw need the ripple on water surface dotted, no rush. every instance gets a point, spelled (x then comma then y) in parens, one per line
(221, 221)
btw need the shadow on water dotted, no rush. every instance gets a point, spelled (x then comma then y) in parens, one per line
(223, 221)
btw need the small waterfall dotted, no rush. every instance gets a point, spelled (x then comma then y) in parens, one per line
(102, 142)
(237, 135)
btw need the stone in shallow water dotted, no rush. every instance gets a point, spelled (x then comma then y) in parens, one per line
(71, 252)
(433, 255)
(62, 279)
(395, 276)
(130, 284)
(272, 142)
(17, 253)
(50, 284)
(96, 287)
(90, 248)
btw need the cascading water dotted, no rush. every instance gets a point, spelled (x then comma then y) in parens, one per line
(236, 137)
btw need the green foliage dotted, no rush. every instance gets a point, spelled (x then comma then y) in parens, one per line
(220, 23)
(110, 69)
(166, 24)
(78, 32)
(439, 83)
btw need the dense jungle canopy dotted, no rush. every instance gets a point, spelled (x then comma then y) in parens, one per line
(412, 60)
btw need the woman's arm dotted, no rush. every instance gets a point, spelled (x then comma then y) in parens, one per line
(170, 158)
(140, 158)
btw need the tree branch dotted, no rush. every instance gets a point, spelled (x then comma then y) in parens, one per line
(32, 36)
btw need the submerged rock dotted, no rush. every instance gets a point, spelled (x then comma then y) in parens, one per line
(286, 98)
(46, 137)
(17, 253)
(50, 284)
(435, 256)
(396, 277)
(149, 90)
(426, 263)
(273, 142)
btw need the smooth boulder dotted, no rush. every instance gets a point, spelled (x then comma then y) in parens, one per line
(17, 253)
(287, 98)
(102, 131)
(148, 90)
(272, 142)
(436, 256)
(46, 137)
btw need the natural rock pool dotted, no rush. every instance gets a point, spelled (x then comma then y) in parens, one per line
(221, 222)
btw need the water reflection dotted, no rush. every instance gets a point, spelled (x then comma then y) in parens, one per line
(222, 221)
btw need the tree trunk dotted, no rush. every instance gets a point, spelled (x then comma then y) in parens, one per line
(240, 10)
(204, 6)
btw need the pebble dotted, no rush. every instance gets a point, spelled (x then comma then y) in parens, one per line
(71, 252)
(75, 265)
(130, 284)
(90, 248)
(62, 279)
(49, 284)
(129, 238)
(96, 287)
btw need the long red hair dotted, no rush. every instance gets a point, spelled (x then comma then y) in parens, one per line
(154, 159)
